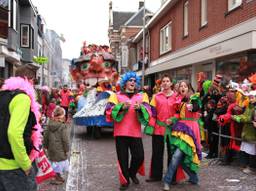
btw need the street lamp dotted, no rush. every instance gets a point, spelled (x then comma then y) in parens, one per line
(143, 45)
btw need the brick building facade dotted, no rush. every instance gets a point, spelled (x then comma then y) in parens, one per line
(189, 36)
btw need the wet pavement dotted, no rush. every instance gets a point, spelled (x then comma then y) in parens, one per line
(93, 168)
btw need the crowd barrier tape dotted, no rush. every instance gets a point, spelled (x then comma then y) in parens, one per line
(227, 136)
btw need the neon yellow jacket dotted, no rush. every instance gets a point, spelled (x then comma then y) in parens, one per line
(19, 109)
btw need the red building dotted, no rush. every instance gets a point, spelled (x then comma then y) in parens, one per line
(123, 26)
(188, 36)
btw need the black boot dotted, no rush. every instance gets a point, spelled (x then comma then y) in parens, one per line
(135, 180)
(124, 186)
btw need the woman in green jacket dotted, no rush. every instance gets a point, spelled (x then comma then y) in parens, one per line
(248, 146)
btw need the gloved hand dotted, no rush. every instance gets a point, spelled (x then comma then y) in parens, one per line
(236, 118)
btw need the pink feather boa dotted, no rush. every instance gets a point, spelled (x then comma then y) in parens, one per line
(14, 83)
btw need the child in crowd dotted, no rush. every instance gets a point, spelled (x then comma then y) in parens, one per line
(56, 142)
(51, 107)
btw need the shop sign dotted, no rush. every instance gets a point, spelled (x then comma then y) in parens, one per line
(217, 50)
(124, 56)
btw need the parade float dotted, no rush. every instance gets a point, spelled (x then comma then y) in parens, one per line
(96, 74)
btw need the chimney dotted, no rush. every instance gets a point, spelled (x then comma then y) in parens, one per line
(110, 14)
(141, 4)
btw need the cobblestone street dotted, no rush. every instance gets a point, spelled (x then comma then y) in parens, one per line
(93, 168)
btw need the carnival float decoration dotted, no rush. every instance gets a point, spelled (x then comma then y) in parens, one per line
(95, 70)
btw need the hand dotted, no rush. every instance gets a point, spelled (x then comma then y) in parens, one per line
(126, 105)
(27, 172)
(254, 124)
(168, 121)
(214, 117)
(137, 106)
(236, 118)
(189, 106)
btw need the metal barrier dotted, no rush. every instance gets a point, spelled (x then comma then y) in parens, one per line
(226, 136)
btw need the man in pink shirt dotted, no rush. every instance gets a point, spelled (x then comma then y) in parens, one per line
(163, 108)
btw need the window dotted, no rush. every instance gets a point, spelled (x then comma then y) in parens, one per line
(32, 37)
(232, 4)
(13, 14)
(24, 36)
(4, 19)
(4, 3)
(203, 12)
(185, 19)
(165, 39)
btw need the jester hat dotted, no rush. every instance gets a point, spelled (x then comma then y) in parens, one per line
(127, 76)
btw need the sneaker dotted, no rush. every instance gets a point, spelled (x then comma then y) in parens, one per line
(247, 170)
(59, 178)
(166, 187)
(56, 182)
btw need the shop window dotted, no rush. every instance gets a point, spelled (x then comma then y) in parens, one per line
(184, 73)
(165, 38)
(185, 19)
(204, 18)
(232, 4)
(237, 69)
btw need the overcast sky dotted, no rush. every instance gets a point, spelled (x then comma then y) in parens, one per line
(83, 20)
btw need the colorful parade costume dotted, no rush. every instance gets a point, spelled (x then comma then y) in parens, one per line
(185, 141)
(235, 127)
(127, 130)
(162, 107)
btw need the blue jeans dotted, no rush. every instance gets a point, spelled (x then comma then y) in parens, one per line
(177, 158)
(13, 180)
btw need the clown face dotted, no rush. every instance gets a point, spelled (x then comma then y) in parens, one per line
(130, 85)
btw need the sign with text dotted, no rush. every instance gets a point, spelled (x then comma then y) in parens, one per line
(124, 56)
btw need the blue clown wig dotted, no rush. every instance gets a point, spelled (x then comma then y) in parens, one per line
(127, 76)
